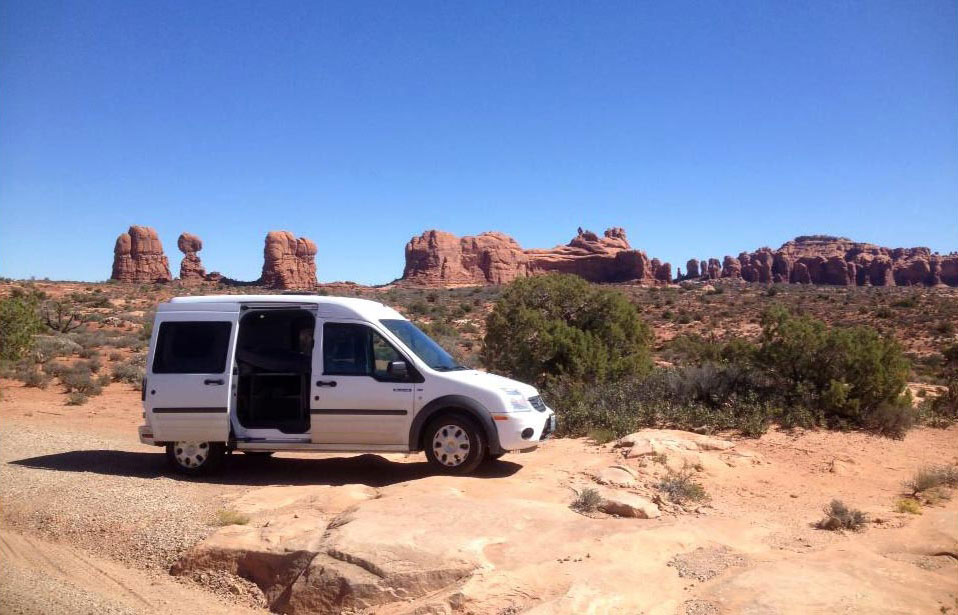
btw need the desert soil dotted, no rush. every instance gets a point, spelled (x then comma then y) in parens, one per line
(92, 522)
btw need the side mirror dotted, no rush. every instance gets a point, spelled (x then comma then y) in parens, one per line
(398, 370)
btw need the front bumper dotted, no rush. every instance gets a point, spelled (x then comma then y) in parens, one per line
(523, 430)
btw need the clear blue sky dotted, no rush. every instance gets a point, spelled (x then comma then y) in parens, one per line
(703, 128)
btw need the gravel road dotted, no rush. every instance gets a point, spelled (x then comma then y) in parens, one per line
(92, 525)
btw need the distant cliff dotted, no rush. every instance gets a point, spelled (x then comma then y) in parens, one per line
(823, 259)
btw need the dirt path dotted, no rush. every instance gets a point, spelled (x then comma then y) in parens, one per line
(41, 577)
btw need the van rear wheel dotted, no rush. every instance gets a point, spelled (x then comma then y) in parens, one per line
(195, 458)
(454, 445)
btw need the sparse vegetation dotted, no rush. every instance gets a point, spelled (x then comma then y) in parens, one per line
(908, 505)
(681, 487)
(587, 500)
(927, 478)
(76, 398)
(229, 516)
(838, 517)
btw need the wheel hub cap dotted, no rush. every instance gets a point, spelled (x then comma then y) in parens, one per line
(191, 454)
(451, 445)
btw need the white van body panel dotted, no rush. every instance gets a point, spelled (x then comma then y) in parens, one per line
(190, 407)
(345, 417)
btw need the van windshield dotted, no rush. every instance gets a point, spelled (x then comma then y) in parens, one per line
(420, 343)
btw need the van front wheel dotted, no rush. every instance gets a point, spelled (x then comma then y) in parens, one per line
(195, 458)
(454, 445)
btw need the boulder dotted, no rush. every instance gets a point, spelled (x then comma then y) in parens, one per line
(616, 476)
(289, 263)
(626, 504)
(190, 267)
(138, 257)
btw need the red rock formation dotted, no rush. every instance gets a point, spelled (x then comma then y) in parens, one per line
(138, 257)
(714, 270)
(191, 268)
(838, 261)
(288, 262)
(436, 258)
(692, 268)
(731, 267)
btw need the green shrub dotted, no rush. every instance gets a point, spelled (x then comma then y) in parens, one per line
(556, 326)
(840, 517)
(588, 500)
(893, 419)
(19, 325)
(849, 373)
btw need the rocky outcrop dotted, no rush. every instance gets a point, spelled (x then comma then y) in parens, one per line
(437, 258)
(822, 259)
(138, 257)
(692, 268)
(289, 262)
(191, 268)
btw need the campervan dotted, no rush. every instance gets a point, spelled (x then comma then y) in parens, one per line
(259, 374)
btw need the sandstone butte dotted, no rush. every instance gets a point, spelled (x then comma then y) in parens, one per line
(138, 257)
(838, 261)
(438, 258)
(289, 262)
(191, 268)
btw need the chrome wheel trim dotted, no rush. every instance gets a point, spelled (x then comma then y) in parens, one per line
(191, 454)
(451, 445)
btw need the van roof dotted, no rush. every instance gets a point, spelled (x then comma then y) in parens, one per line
(336, 307)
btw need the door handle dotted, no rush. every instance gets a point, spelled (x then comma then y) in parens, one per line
(214, 381)
(325, 383)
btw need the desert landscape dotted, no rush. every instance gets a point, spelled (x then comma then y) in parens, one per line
(478, 308)
(655, 521)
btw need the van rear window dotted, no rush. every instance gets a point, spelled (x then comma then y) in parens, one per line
(192, 347)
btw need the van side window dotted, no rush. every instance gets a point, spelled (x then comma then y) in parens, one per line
(192, 347)
(356, 350)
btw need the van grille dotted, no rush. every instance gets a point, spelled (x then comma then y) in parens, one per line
(537, 403)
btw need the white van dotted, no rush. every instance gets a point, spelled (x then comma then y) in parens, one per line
(265, 373)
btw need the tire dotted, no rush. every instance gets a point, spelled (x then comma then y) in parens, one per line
(195, 458)
(454, 445)
(259, 454)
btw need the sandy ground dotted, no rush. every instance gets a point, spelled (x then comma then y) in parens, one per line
(90, 521)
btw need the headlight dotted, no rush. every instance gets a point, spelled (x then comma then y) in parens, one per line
(515, 400)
